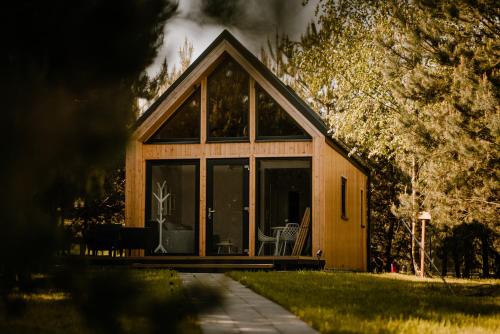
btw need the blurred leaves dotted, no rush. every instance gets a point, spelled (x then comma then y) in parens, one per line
(124, 301)
(67, 75)
(107, 300)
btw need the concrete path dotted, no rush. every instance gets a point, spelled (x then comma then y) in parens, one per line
(243, 311)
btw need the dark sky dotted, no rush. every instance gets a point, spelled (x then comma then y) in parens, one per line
(251, 21)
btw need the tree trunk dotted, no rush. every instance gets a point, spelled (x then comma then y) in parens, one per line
(497, 265)
(388, 248)
(413, 214)
(456, 260)
(468, 258)
(444, 260)
(485, 249)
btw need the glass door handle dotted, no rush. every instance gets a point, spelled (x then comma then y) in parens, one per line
(210, 211)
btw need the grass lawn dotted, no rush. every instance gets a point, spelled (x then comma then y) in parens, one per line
(51, 311)
(389, 303)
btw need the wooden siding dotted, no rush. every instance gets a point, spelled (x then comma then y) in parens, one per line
(345, 240)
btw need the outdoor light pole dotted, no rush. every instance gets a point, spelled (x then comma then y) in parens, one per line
(423, 216)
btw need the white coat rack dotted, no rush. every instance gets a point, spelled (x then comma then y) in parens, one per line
(162, 196)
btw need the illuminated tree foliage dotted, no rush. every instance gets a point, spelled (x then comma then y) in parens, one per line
(412, 86)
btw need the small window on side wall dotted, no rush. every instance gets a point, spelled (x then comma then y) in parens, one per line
(183, 125)
(362, 208)
(343, 197)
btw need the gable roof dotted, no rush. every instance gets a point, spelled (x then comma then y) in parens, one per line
(284, 90)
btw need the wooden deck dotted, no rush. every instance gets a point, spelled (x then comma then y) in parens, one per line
(210, 263)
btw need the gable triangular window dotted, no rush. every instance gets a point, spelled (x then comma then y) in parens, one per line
(228, 101)
(273, 121)
(184, 124)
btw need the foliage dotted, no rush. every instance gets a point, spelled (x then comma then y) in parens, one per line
(365, 303)
(151, 88)
(412, 86)
(463, 244)
(449, 51)
(68, 72)
(335, 67)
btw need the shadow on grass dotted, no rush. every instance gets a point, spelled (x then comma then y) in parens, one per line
(366, 297)
(105, 301)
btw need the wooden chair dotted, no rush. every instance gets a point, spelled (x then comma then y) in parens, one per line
(304, 229)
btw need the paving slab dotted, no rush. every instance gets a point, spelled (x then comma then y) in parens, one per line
(243, 311)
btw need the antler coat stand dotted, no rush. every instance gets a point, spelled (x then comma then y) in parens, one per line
(161, 197)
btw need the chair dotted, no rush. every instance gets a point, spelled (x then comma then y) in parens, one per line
(100, 237)
(289, 235)
(135, 238)
(304, 229)
(264, 239)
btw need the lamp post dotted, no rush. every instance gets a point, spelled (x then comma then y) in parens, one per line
(424, 217)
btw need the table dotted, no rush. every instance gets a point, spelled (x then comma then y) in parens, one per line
(225, 244)
(277, 231)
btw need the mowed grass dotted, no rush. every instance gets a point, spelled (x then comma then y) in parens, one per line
(52, 311)
(389, 303)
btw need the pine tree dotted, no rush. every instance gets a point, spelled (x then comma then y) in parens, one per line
(150, 88)
(450, 52)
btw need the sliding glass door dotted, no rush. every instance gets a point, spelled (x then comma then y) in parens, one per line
(227, 207)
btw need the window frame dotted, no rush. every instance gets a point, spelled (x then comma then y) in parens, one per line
(153, 140)
(240, 139)
(343, 198)
(148, 198)
(362, 208)
(258, 185)
(259, 138)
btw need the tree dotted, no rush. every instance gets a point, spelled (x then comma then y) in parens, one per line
(449, 50)
(151, 88)
(68, 75)
(336, 68)
(413, 84)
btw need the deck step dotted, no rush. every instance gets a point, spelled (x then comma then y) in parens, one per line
(204, 266)
(202, 263)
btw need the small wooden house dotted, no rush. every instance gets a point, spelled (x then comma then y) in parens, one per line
(230, 161)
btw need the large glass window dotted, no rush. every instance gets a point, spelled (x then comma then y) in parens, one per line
(172, 200)
(228, 101)
(184, 124)
(272, 120)
(284, 193)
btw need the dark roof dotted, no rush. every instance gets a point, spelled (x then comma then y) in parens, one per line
(285, 90)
